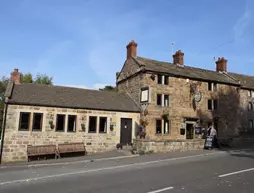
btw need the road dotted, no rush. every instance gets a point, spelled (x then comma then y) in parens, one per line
(191, 172)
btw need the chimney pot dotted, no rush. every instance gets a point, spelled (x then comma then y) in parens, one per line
(131, 49)
(221, 65)
(15, 76)
(178, 57)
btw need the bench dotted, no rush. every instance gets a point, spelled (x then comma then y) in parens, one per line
(38, 150)
(77, 147)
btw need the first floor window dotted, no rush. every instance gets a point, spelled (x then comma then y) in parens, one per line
(60, 122)
(24, 120)
(251, 124)
(166, 100)
(159, 99)
(92, 124)
(37, 122)
(166, 126)
(144, 94)
(212, 104)
(103, 125)
(71, 123)
(166, 80)
(158, 127)
(250, 106)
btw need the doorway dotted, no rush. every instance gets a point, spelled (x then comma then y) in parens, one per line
(126, 131)
(189, 131)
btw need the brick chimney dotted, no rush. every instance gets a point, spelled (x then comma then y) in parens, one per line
(178, 57)
(131, 49)
(221, 65)
(15, 76)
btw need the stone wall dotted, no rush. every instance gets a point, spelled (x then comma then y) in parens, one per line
(154, 146)
(15, 142)
(181, 105)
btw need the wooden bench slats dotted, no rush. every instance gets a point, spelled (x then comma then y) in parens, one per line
(38, 150)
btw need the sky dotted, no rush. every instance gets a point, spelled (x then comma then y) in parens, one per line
(82, 43)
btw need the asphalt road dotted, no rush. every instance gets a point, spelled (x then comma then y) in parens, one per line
(192, 172)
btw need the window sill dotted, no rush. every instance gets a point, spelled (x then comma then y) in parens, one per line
(158, 134)
(102, 132)
(23, 130)
(60, 131)
(92, 132)
(37, 130)
(71, 131)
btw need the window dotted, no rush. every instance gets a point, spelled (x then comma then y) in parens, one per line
(144, 94)
(251, 125)
(60, 122)
(92, 124)
(212, 104)
(24, 119)
(159, 101)
(212, 86)
(158, 127)
(166, 80)
(209, 86)
(71, 127)
(250, 106)
(166, 100)
(250, 93)
(37, 122)
(166, 126)
(159, 79)
(103, 125)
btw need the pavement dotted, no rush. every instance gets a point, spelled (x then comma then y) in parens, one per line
(186, 172)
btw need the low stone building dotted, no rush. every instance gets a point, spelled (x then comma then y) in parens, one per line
(180, 101)
(39, 115)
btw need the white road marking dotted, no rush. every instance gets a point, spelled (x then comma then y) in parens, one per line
(106, 168)
(162, 190)
(234, 173)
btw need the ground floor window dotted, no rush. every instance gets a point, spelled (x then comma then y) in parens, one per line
(166, 126)
(158, 126)
(24, 120)
(37, 121)
(71, 123)
(103, 125)
(60, 122)
(92, 124)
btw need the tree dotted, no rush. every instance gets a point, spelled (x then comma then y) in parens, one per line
(26, 78)
(109, 88)
(3, 84)
(43, 79)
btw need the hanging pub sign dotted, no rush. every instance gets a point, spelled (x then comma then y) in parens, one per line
(197, 96)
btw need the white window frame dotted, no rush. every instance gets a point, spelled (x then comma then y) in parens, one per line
(212, 100)
(144, 96)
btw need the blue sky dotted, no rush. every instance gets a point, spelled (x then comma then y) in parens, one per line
(83, 42)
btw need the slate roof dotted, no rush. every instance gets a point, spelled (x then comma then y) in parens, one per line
(245, 80)
(185, 71)
(60, 96)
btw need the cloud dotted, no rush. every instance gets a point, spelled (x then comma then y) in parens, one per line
(242, 23)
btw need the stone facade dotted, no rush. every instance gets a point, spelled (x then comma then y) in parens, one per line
(15, 141)
(181, 106)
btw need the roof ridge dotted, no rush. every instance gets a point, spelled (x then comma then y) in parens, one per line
(241, 74)
(62, 86)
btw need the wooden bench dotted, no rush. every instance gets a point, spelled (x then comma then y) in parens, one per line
(76, 147)
(39, 150)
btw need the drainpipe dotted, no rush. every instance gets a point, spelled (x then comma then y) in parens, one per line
(3, 130)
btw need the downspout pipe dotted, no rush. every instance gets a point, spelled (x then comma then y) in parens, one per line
(3, 130)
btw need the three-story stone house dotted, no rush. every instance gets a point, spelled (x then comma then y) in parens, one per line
(179, 101)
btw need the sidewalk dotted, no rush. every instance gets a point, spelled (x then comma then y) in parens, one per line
(115, 154)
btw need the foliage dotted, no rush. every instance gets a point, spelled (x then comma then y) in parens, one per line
(3, 84)
(26, 78)
(43, 79)
(109, 88)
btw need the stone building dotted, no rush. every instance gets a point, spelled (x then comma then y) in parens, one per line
(39, 115)
(178, 101)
